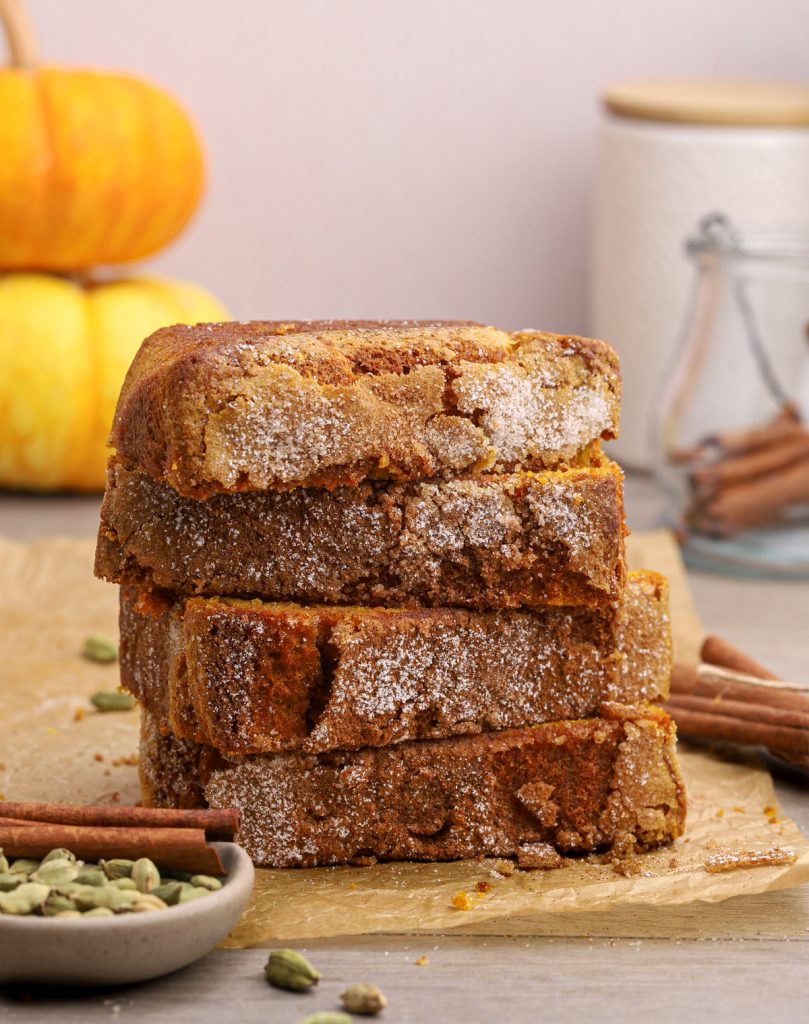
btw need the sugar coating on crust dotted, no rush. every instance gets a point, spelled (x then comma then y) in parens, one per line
(578, 785)
(247, 676)
(494, 541)
(232, 407)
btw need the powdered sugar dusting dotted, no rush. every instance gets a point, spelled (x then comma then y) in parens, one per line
(525, 420)
(453, 798)
(392, 675)
(489, 541)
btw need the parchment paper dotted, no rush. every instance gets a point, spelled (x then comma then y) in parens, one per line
(56, 747)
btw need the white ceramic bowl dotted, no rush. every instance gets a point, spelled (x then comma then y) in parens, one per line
(129, 947)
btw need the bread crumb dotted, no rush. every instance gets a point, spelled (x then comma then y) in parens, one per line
(539, 856)
(729, 860)
(483, 886)
(129, 759)
(422, 961)
(502, 869)
(462, 901)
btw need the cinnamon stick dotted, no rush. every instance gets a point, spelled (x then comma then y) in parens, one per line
(707, 480)
(791, 744)
(756, 502)
(714, 681)
(217, 824)
(716, 651)
(741, 709)
(737, 442)
(182, 849)
(721, 703)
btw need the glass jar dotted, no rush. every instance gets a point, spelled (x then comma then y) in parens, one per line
(732, 434)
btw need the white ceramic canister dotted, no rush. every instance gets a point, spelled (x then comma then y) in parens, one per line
(670, 153)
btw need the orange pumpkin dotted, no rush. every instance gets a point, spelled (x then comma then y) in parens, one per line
(94, 167)
(64, 350)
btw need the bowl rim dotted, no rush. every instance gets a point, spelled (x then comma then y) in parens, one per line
(239, 871)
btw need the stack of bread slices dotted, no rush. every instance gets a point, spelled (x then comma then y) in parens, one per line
(374, 593)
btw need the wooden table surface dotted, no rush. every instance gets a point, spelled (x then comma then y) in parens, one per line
(746, 959)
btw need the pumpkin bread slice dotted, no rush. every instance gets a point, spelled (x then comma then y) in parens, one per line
(251, 677)
(491, 541)
(272, 405)
(579, 786)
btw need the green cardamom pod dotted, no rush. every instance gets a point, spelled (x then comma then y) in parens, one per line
(118, 867)
(23, 866)
(287, 969)
(55, 872)
(91, 875)
(25, 899)
(56, 903)
(60, 853)
(69, 913)
(363, 999)
(123, 883)
(3, 863)
(145, 874)
(327, 1017)
(113, 700)
(191, 893)
(99, 648)
(206, 882)
(104, 896)
(98, 912)
(8, 882)
(148, 901)
(168, 892)
(71, 888)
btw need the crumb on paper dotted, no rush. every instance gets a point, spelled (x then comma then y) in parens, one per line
(502, 868)
(114, 797)
(129, 759)
(731, 860)
(627, 867)
(539, 857)
(462, 901)
(738, 808)
(483, 887)
(674, 863)
(98, 757)
(422, 961)
(720, 813)
(78, 714)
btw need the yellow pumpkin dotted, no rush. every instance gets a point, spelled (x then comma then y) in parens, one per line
(95, 167)
(64, 350)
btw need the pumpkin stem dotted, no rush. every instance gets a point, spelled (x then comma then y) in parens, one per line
(22, 46)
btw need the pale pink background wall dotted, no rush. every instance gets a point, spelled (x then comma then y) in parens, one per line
(411, 158)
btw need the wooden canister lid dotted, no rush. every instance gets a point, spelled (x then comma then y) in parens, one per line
(690, 101)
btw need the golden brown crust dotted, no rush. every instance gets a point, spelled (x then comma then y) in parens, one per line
(243, 407)
(578, 785)
(249, 677)
(492, 541)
